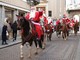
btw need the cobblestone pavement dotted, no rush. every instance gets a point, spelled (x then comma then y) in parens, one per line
(57, 49)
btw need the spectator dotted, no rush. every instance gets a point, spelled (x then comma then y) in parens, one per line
(8, 28)
(4, 34)
(14, 28)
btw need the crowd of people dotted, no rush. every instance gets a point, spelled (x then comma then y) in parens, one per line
(9, 30)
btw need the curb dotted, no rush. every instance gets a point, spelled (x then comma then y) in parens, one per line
(10, 44)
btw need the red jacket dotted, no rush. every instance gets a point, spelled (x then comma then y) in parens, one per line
(64, 20)
(36, 19)
(35, 15)
(57, 22)
(68, 21)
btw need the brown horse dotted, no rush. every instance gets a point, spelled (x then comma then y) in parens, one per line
(28, 34)
(76, 27)
(58, 29)
(49, 31)
(64, 31)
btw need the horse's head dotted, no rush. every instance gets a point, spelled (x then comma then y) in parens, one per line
(48, 28)
(24, 24)
(58, 27)
(65, 27)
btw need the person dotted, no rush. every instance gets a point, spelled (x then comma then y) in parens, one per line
(58, 22)
(66, 21)
(4, 34)
(8, 28)
(72, 23)
(51, 23)
(34, 16)
(14, 28)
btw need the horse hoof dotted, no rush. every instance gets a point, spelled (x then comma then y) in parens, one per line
(21, 57)
(36, 53)
(65, 39)
(43, 48)
(29, 56)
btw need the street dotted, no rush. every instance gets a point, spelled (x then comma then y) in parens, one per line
(57, 49)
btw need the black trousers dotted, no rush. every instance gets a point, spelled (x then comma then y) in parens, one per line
(4, 38)
(14, 35)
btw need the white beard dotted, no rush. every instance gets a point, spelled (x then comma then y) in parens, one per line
(32, 14)
(49, 20)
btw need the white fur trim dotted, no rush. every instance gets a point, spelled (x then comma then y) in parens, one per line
(35, 23)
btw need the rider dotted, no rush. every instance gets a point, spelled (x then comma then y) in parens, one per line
(66, 21)
(34, 16)
(76, 20)
(58, 21)
(43, 20)
(51, 23)
(72, 23)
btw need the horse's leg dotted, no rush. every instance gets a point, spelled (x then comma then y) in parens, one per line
(21, 51)
(40, 43)
(65, 35)
(57, 33)
(62, 35)
(30, 47)
(44, 41)
(35, 41)
(75, 33)
(50, 36)
(68, 33)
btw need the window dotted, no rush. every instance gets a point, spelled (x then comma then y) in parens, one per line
(50, 13)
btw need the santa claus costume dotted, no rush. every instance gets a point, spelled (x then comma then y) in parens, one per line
(34, 17)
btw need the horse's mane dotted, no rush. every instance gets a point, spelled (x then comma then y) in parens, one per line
(24, 26)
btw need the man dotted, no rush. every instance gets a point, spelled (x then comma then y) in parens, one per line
(58, 21)
(50, 22)
(14, 28)
(34, 16)
(4, 34)
(66, 21)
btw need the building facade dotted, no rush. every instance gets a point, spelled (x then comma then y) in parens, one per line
(53, 8)
(73, 8)
(11, 8)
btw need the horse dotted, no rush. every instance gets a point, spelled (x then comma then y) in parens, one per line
(27, 35)
(64, 31)
(76, 27)
(48, 31)
(58, 29)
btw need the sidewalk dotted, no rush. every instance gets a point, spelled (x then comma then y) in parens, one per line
(10, 43)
